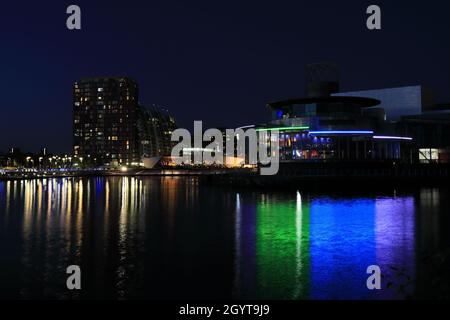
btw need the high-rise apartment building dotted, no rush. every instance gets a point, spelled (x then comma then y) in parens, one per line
(105, 115)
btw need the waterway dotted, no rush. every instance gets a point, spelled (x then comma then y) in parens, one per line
(175, 238)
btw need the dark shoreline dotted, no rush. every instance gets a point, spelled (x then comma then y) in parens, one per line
(350, 175)
(290, 175)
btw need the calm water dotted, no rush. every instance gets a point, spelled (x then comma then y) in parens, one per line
(173, 238)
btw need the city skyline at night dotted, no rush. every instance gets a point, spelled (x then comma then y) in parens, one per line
(192, 60)
(224, 159)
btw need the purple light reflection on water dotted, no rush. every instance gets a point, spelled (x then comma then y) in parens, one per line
(395, 244)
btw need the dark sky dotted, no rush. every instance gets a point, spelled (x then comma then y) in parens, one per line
(216, 61)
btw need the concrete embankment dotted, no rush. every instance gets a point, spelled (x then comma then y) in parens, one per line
(356, 175)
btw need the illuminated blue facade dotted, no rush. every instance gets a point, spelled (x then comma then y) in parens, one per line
(397, 102)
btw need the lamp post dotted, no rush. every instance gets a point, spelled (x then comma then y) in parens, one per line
(30, 160)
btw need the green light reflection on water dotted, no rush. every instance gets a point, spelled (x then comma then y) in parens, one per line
(282, 249)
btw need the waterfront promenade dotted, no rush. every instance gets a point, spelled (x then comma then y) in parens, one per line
(290, 173)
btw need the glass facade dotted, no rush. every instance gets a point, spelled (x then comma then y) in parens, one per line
(155, 131)
(304, 145)
(335, 128)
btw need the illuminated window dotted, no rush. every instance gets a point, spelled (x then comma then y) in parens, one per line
(428, 154)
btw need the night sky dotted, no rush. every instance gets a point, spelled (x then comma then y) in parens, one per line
(216, 61)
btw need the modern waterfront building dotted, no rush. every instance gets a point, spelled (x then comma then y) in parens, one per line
(414, 112)
(111, 127)
(431, 132)
(104, 120)
(155, 126)
(327, 126)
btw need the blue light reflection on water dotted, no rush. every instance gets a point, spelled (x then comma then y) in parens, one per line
(341, 238)
(342, 247)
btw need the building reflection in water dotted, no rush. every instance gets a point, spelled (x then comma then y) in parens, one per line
(294, 247)
(60, 222)
(174, 238)
(433, 242)
(132, 237)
